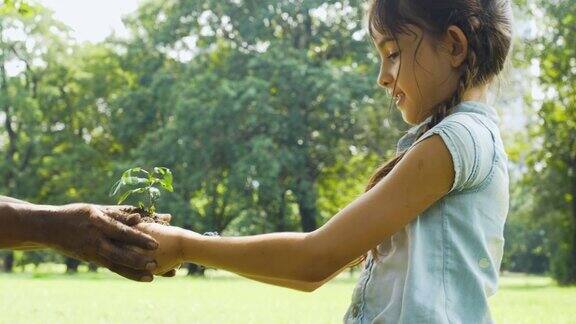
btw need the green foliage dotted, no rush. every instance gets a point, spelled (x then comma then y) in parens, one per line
(272, 98)
(552, 160)
(19, 7)
(146, 185)
(267, 111)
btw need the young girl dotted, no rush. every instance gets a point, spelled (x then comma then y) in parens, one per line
(431, 221)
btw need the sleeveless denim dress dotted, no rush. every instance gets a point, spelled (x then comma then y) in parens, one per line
(443, 266)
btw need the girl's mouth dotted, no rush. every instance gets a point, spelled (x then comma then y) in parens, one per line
(399, 98)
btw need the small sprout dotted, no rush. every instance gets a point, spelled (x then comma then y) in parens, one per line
(143, 184)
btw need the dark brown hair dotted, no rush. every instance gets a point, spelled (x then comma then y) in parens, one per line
(487, 25)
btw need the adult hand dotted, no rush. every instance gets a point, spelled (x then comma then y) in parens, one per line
(120, 212)
(102, 234)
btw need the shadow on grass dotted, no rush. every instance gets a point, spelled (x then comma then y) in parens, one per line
(104, 275)
(220, 276)
(527, 287)
(60, 276)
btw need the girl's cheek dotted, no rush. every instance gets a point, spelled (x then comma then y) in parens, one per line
(403, 77)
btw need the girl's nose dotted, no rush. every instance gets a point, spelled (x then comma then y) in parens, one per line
(385, 78)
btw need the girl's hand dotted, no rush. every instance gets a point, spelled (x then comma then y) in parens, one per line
(168, 255)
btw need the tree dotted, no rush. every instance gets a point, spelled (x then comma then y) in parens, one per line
(552, 165)
(259, 108)
(24, 35)
(272, 94)
(55, 137)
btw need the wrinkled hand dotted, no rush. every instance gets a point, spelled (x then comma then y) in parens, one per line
(168, 256)
(102, 234)
(119, 213)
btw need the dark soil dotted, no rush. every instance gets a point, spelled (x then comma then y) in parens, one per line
(148, 218)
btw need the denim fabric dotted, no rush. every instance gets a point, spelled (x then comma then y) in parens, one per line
(443, 266)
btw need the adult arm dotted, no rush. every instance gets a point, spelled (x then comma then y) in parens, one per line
(99, 234)
(5, 199)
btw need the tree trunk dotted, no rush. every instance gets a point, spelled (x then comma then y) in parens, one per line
(92, 267)
(8, 262)
(281, 221)
(72, 265)
(306, 196)
(572, 262)
(12, 135)
(195, 270)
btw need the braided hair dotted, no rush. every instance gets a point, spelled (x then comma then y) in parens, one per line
(487, 25)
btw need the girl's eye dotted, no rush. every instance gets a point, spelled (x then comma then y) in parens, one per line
(393, 56)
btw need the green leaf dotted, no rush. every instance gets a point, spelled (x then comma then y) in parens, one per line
(134, 172)
(130, 178)
(161, 170)
(154, 193)
(127, 194)
(135, 181)
(165, 179)
(123, 197)
(115, 188)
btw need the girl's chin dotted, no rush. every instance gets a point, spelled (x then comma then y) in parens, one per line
(405, 118)
(408, 118)
(402, 105)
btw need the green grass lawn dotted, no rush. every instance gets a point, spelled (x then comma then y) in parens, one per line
(224, 298)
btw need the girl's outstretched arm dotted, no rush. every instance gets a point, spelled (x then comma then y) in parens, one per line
(294, 284)
(422, 177)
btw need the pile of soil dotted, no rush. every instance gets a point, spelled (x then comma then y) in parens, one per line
(146, 217)
(152, 218)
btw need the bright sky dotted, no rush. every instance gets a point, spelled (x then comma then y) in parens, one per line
(92, 20)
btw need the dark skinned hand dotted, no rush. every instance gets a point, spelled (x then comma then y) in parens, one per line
(103, 235)
(119, 213)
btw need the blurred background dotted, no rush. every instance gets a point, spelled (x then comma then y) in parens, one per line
(267, 113)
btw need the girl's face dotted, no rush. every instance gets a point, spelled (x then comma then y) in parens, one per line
(417, 70)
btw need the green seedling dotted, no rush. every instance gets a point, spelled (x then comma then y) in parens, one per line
(143, 185)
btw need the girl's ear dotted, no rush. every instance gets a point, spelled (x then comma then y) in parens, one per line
(457, 45)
